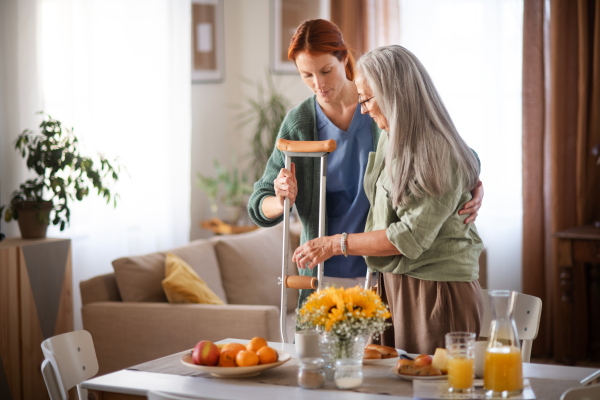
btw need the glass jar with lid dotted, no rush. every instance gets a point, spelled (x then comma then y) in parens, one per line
(348, 373)
(311, 373)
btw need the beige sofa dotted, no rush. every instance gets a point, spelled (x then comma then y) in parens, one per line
(131, 321)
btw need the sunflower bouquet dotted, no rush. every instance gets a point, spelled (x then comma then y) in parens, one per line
(345, 313)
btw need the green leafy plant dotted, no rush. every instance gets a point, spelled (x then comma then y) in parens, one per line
(263, 117)
(63, 174)
(229, 186)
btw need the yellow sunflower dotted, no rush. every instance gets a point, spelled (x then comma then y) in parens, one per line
(325, 307)
(362, 303)
(335, 313)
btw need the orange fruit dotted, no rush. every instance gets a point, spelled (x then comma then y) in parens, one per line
(234, 346)
(227, 358)
(267, 355)
(256, 344)
(246, 358)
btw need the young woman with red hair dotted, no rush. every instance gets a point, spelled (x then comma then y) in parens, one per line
(327, 67)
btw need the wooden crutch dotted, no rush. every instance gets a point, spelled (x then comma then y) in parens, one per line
(301, 149)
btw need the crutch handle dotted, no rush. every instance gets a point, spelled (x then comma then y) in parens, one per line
(301, 146)
(300, 282)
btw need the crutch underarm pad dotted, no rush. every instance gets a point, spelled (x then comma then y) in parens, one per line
(300, 282)
(302, 146)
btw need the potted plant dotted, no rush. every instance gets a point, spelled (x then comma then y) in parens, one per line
(229, 188)
(62, 174)
(263, 118)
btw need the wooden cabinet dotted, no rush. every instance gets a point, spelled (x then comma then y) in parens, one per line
(577, 295)
(36, 303)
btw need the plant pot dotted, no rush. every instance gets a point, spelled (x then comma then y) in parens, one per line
(229, 214)
(31, 213)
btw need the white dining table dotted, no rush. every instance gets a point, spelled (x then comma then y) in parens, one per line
(130, 384)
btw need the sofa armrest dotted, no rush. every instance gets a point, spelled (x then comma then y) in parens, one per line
(127, 334)
(99, 288)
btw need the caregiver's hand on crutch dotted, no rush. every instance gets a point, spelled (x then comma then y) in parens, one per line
(285, 185)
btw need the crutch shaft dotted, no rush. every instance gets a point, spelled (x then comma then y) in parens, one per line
(286, 256)
(322, 206)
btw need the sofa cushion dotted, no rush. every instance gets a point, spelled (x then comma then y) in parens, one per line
(251, 264)
(183, 285)
(139, 277)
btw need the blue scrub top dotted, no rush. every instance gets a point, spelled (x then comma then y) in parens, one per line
(347, 203)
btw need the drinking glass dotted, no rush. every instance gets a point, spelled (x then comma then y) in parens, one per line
(307, 343)
(460, 347)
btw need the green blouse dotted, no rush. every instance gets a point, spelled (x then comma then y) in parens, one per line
(435, 243)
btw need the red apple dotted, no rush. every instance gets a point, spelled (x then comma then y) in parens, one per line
(206, 353)
(423, 360)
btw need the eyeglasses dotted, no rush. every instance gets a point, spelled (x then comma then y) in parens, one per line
(363, 104)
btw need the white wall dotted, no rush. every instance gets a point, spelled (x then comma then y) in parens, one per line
(473, 51)
(247, 30)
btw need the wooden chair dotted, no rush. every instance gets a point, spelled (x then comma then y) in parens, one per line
(527, 314)
(582, 393)
(70, 359)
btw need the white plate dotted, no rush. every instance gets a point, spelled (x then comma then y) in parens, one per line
(381, 361)
(417, 377)
(236, 372)
(384, 361)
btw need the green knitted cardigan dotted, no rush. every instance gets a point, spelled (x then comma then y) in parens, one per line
(299, 124)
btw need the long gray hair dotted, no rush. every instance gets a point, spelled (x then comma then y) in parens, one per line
(424, 150)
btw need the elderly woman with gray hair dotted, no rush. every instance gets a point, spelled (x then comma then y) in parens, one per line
(417, 180)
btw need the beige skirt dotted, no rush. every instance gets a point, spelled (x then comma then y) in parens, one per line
(424, 311)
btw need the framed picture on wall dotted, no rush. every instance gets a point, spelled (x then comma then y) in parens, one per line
(286, 15)
(208, 53)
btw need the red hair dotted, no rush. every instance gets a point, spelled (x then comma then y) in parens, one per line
(319, 36)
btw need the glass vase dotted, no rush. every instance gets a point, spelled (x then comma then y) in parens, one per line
(334, 347)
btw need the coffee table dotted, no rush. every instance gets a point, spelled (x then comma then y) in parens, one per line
(130, 385)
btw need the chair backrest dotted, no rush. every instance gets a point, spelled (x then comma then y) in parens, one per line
(582, 393)
(70, 360)
(527, 314)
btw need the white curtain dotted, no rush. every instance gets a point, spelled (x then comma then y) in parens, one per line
(473, 51)
(119, 73)
(20, 94)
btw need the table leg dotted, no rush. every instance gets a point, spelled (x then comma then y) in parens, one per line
(563, 314)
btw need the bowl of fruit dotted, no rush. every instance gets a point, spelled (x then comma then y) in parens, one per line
(234, 360)
(423, 367)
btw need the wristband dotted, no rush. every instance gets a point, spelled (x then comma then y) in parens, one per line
(343, 243)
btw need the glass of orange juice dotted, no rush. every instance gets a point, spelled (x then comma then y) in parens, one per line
(460, 347)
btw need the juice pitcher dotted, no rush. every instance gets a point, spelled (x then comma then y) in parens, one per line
(503, 370)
